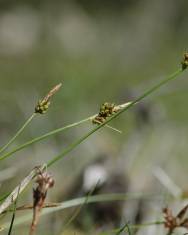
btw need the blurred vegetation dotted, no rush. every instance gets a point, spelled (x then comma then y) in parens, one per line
(100, 51)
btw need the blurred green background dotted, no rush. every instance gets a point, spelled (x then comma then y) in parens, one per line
(101, 51)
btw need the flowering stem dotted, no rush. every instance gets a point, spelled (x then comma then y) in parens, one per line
(56, 131)
(39, 138)
(83, 138)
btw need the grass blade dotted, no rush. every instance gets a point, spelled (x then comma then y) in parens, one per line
(14, 214)
(132, 226)
(126, 226)
(42, 137)
(77, 211)
(79, 201)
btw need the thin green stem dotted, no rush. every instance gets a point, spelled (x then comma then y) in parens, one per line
(121, 230)
(14, 214)
(48, 134)
(146, 224)
(82, 139)
(134, 226)
(17, 133)
(77, 211)
(109, 197)
(39, 138)
(79, 201)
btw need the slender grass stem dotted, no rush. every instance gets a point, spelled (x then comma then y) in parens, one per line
(2, 149)
(41, 108)
(121, 230)
(83, 138)
(134, 226)
(80, 201)
(77, 211)
(146, 224)
(14, 214)
(109, 197)
(42, 137)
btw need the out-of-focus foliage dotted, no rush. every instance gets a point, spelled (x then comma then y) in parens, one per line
(100, 51)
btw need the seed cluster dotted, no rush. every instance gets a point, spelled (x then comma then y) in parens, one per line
(44, 181)
(172, 222)
(43, 105)
(106, 110)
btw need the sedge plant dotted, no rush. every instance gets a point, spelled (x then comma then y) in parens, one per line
(107, 113)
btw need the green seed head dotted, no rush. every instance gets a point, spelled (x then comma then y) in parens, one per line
(43, 105)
